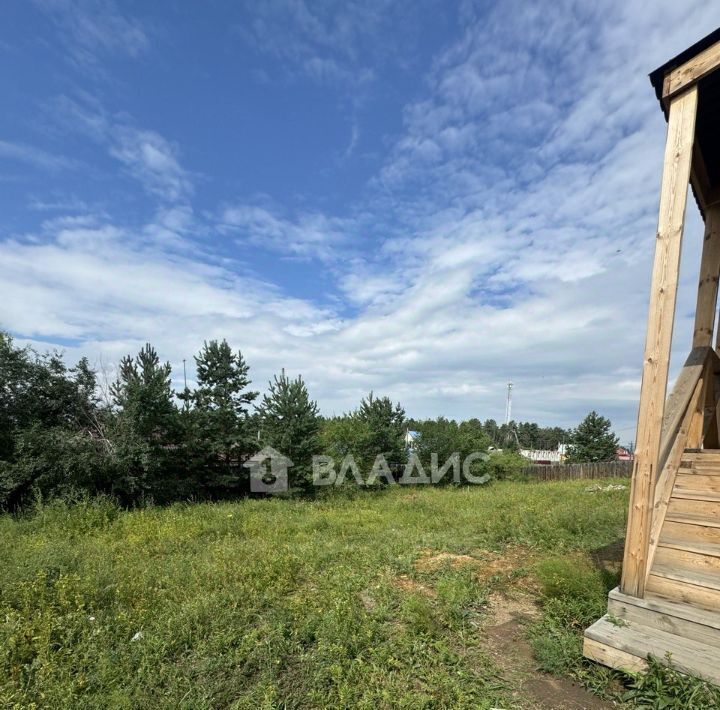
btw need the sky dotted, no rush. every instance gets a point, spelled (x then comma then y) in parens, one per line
(425, 199)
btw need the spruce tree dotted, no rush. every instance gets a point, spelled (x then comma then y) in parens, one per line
(289, 422)
(593, 440)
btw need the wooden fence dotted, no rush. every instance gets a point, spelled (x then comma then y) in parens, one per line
(568, 471)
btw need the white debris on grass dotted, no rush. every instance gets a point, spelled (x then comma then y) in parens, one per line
(137, 636)
(610, 487)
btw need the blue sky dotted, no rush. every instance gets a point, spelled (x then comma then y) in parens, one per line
(426, 199)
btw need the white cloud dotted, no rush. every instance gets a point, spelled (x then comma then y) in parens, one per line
(147, 156)
(508, 236)
(90, 28)
(31, 155)
(152, 159)
(310, 235)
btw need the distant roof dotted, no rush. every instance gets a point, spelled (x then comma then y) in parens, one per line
(707, 134)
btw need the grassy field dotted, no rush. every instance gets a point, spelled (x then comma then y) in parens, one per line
(405, 598)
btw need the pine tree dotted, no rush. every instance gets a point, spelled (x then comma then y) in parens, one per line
(289, 422)
(219, 420)
(146, 430)
(593, 440)
(385, 422)
(143, 391)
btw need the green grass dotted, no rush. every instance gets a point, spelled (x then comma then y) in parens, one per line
(285, 603)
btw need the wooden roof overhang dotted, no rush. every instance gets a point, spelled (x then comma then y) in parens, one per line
(697, 65)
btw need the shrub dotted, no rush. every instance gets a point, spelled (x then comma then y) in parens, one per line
(664, 687)
(505, 465)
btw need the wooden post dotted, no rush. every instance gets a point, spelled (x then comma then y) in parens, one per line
(708, 284)
(663, 292)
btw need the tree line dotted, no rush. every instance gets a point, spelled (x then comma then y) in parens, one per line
(64, 430)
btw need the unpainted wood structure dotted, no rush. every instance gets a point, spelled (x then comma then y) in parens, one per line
(669, 596)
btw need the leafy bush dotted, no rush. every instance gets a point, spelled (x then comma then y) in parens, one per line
(53, 461)
(505, 465)
(664, 688)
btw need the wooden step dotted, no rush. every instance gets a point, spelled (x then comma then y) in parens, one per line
(658, 613)
(696, 483)
(681, 558)
(699, 467)
(701, 453)
(701, 548)
(695, 576)
(682, 591)
(627, 646)
(709, 496)
(699, 520)
(697, 507)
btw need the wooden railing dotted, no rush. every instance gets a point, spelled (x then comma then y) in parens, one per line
(690, 422)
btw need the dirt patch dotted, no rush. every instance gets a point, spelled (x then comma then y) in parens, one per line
(430, 560)
(507, 645)
(368, 601)
(488, 564)
(520, 609)
(410, 585)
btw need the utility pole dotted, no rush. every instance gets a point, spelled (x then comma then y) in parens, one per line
(508, 405)
(186, 405)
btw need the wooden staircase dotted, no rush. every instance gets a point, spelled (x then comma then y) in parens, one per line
(686, 566)
(679, 611)
(669, 594)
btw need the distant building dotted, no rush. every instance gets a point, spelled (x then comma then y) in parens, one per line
(623, 454)
(545, 456)
(411, 439)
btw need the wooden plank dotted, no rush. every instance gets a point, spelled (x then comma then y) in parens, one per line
(661, 615)
(702, 455)
(682, 558)
(700, 179)
(679, 399)
(692, 506)
(697, 495)
(708, 281)
(708, 579)
(701, 548)
(688, 74)
(697, 520)
(663, 294)
(612, 657)
(636, 640)
(685, 528)
(701, 466)
(665, 606)
(682, 591)
(697, 482)
(666, 482)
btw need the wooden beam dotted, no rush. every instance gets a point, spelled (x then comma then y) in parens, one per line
(710, 438)
(677, 403)
(695, 431)
(708, 283)
(666, 481)
(692, 71)
(673, 201)
(700, 179)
